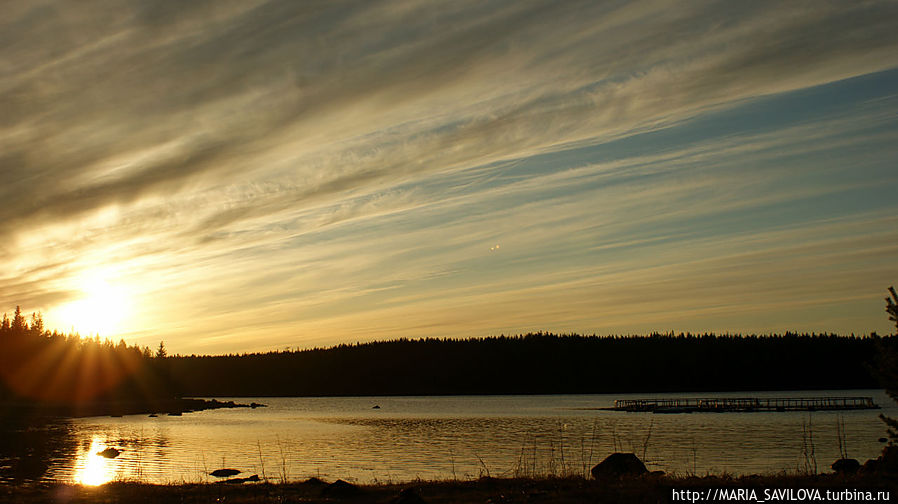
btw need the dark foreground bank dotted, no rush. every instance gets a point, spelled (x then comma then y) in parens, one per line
(643, 489)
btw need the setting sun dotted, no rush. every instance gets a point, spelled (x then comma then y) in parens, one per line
(101, 309)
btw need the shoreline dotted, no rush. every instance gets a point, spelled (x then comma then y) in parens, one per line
(17, 411)
(646, 488)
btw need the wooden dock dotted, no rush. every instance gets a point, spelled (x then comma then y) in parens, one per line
(744, 404)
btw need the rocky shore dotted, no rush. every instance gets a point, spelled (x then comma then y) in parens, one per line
(172, 406)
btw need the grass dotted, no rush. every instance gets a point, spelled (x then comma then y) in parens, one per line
(649, 488)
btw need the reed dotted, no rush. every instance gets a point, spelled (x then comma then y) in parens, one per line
(283, 454)
(842, 437)
(808, 449)
(261, 461)
(556, 459)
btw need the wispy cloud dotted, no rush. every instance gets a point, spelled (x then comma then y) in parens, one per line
(290, 162)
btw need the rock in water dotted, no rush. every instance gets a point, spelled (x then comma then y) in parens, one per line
(846, 466)
(239, 481)
(617, 465)
(109, 453)
(222, 473)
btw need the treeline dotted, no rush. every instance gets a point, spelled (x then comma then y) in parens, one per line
(40, 367)
(542, 364)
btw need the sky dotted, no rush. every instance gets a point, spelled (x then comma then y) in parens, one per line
(249, 175)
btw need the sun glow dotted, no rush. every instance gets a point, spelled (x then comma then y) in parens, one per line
(92, 469)
(102, 309)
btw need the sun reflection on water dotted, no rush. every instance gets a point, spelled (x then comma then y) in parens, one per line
(92, 469)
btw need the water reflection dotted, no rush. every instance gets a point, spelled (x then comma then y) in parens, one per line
(91, 468)
(428, 438)
(28, 451)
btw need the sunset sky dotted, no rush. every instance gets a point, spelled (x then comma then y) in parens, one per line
(234, 176)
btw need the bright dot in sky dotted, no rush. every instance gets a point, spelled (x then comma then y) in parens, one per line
(494, 248)
(100, 310)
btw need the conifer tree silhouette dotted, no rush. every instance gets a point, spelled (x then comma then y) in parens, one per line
(888, 367)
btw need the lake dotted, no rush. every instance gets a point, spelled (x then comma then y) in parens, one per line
(462, 437)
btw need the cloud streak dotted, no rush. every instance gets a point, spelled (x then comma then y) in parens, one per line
(271, 154)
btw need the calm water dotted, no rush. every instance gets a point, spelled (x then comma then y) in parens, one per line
(437, 438)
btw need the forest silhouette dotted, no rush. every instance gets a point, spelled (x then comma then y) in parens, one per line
(40, 367)
(543, 363)
(57, 373)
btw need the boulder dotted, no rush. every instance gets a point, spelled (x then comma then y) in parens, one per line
(408, 496)
(109, 453)
(340, 488)
(223, 473)
(617, 465)
(846, 466)
(871, 466)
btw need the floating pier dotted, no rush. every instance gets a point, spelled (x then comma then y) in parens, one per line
(744, 404)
